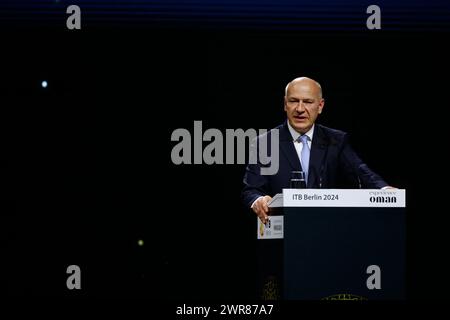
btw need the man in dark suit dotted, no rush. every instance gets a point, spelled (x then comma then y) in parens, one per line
(324, 154)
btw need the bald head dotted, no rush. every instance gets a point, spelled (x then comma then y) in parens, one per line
(305, 81)
(303, 103)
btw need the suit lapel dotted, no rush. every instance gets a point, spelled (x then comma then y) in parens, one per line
(318, 151)
(287, 147)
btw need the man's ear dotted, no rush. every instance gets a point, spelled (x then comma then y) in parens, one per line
(284, 103)
(321, 104)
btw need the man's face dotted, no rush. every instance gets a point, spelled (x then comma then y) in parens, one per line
(303, 104)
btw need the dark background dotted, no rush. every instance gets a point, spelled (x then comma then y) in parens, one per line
(87, 168)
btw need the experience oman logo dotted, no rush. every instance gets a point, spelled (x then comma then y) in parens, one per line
(382, 196)
(208, 147)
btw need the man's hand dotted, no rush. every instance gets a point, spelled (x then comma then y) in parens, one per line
(261, 209)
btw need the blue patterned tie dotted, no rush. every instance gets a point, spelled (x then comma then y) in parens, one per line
(305, 155)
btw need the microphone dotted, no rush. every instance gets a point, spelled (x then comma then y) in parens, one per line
(357, 176)
(354, 170)
(325, 145)
(322, 168)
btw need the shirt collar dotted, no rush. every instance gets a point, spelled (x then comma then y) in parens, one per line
(295, 134)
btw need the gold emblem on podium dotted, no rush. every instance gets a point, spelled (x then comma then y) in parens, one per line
(344, 297)
(271, 289)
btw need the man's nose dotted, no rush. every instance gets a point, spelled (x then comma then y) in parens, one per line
(300, 107)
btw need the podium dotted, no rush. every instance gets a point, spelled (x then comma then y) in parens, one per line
(333, 244)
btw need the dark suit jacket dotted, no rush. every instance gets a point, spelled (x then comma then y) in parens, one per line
(333, 164)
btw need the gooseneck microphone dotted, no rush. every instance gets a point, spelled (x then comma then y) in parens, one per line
(322, 169)
(354, 170)
(325, 145)
(357, 176)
